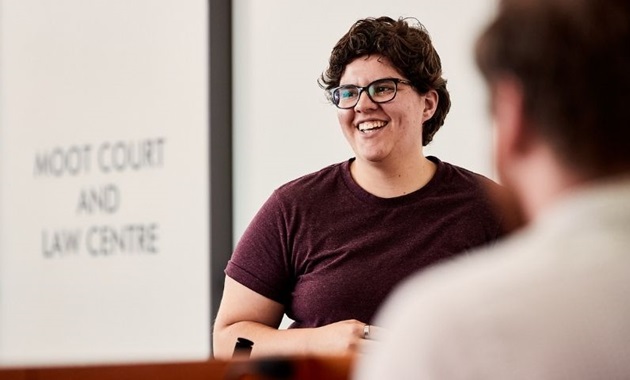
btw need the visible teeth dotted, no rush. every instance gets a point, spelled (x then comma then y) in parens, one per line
(370, 125)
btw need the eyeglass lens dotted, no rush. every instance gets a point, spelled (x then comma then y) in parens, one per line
(379, 91)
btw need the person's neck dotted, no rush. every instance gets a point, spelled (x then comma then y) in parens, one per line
(393, 179)
(543, 180)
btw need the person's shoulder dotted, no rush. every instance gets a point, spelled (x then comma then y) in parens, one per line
(460, 175)
(314, 180)
(489, 197)
(461, 284)
(437, 316)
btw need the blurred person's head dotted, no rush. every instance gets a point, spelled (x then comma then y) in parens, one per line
(403, 44)
(570, 62)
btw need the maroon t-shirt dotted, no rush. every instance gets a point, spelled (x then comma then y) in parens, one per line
(329, 251)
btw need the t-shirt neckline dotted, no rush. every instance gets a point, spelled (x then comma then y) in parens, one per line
(366, 197)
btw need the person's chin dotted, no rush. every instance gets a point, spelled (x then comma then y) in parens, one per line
(373, 157)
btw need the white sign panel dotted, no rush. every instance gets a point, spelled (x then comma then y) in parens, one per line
(104, 215)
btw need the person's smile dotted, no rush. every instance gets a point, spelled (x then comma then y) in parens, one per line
(371, 126)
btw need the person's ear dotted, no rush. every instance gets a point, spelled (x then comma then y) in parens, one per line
(511, 135)
(431, 99)
(507, 108)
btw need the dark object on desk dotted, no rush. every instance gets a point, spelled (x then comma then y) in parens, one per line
(280, 368)
(242, 348)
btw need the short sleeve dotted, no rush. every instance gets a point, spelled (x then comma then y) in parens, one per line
(261, 260)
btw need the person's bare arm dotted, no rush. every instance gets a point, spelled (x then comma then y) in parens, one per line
(247, 314)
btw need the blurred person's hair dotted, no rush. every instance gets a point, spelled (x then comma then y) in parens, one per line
(572, 61)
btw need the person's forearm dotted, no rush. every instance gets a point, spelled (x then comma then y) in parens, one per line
(267, 340)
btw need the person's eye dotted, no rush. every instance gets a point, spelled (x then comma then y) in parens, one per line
(383, 88)
(347, 93)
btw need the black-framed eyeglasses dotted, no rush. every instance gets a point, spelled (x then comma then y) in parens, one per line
(379, 91)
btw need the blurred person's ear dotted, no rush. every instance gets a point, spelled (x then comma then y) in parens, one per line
(509, 120)
(510, 143)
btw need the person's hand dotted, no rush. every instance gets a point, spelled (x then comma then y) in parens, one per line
(339, 338)
(344, 337)
(371, 337)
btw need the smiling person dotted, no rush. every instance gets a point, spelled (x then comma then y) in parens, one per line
(327, 248)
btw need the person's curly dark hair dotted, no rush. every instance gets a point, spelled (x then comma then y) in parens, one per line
(407, 45)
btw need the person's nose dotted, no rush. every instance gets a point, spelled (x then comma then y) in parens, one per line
(364, 103)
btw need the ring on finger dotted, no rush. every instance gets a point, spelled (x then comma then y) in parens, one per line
(366, 332)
